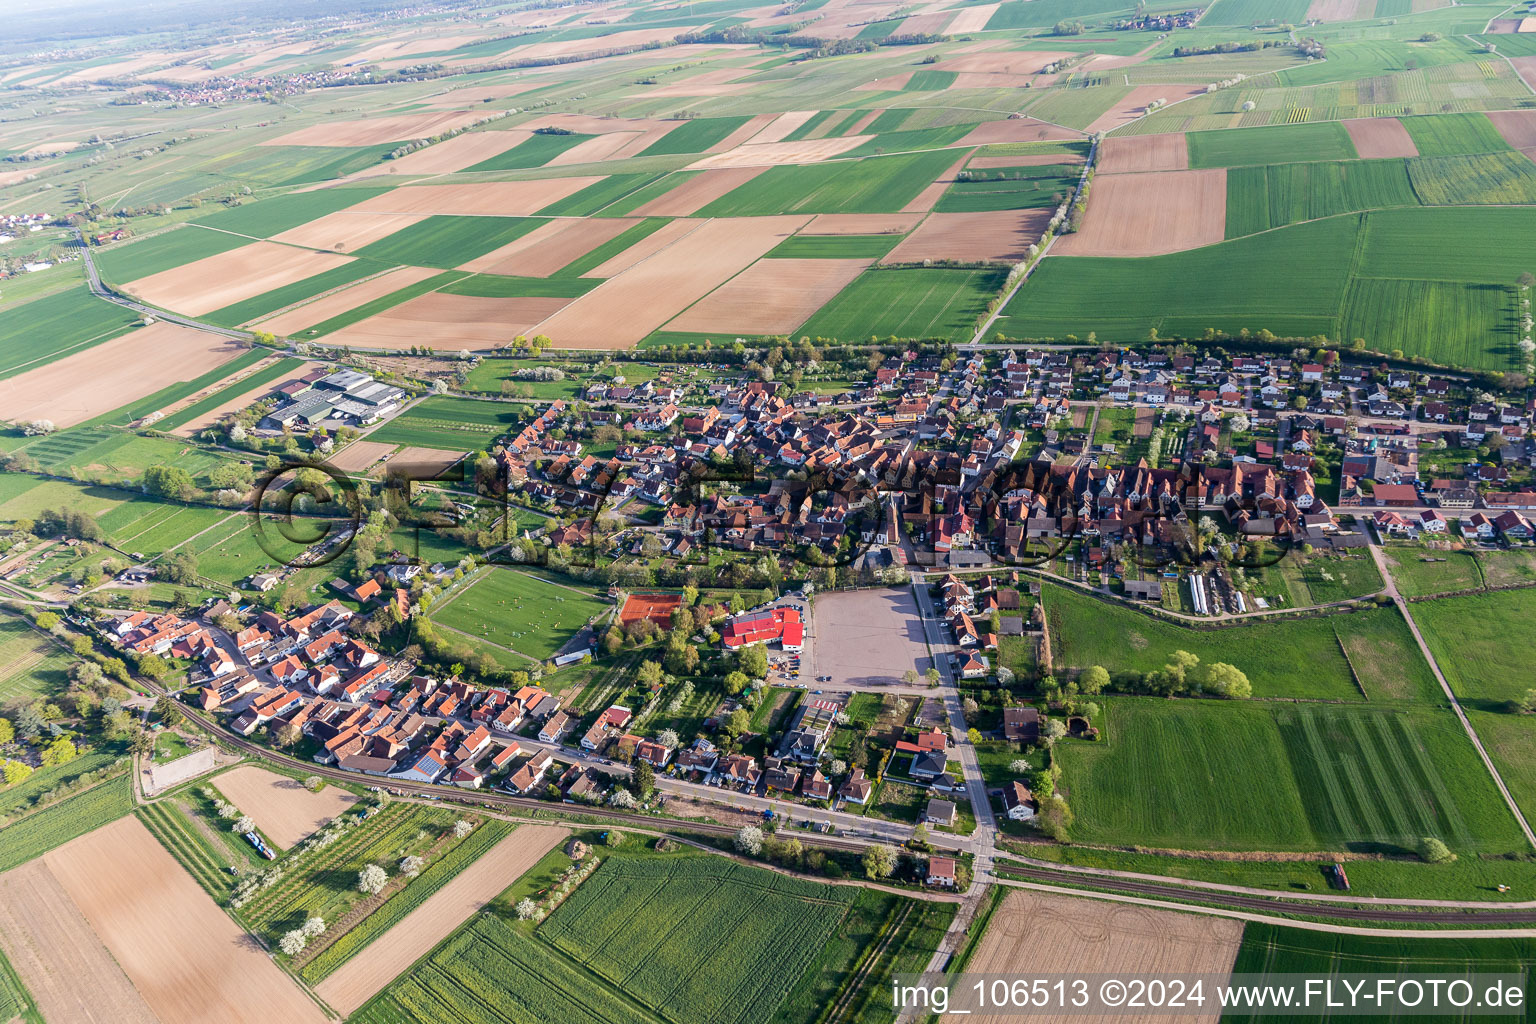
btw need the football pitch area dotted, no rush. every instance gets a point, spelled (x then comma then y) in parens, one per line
(519, 611)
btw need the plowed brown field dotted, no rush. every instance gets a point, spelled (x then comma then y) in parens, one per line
(770, 296)
(1000, 235)
(308, 315)
(1144, 153)
(189, 961)
(698, 192)
(549, 247)
(484, 199)
(1381, 137)
(282, 807)
(441, 320)
(230, 277)
(1151, 214)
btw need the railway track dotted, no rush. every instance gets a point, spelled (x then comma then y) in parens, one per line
(1232, 901)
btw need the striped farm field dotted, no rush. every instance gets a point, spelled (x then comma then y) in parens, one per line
(1261, 198)
(1492, 178)
(906, 303)
(449, 423)
(1455, 322)
(48, 328)
(1246, 147)
(1181, 774)
(448, 241)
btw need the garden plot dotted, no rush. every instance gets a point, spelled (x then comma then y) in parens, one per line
(1151, 214)
(415, 935)
(344, 300)
(284, 810)
(549, 247)
(621, 311)
(98, 380)
(770, 296)
(443, 320)
(230, 277)
(345, 231)
(1040, 934)
(1000, 235)
(483, 199)
(163, 930)
(1145, 153)
(1377, 138)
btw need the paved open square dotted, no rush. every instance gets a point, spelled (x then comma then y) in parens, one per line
(868, 637)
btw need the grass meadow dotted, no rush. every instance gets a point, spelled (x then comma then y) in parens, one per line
(1182, 774)
(518, 611)
(1474, 640)
(1317, 657)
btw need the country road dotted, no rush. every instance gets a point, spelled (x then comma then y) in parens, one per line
(101, 291)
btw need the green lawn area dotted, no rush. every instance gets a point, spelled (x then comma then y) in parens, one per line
(1289, 658)
(1182, 774)
(31, 665)
(1420, 571)
(518, 611)
(1474, 640)
(915, 302)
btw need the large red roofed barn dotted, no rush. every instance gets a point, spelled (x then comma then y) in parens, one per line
(773, 624)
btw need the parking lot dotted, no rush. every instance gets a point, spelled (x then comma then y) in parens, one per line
(868, 638)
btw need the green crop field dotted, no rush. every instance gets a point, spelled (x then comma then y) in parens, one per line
(599, 195)
(1419, 572)
(280, 298)
(873, 185)
(835, 247)
(534, 151)
(777, 927)
(1308, 657)
(1010, 189)
(448, 241)
(1454, 134)
(1227, 286)
(1471, 638)
(1282, 144)
(501, 286)
(1261, 198)
(1510, 740)
(1181, 774)
(639, 943)
(1478, 245)
(906, 303)
(1276, 950)
(55, 825)
(696, 136)
(454, 424)
(31, 665)
(1462, 323)
(266, 375)
(382, 303)
(489, 973)
(1489, 178)
(438, 873)
(912, 140)
(1241, 13)
(264, 218)
(45, 329)
(520, 612)
(639, 197)
(119, 264)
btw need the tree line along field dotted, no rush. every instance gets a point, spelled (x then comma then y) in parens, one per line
(1317, 657)
(517, 611)
(641, 941)
(1430, 282)
(1182, 774)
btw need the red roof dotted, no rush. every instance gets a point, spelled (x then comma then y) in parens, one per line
(761, 627)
